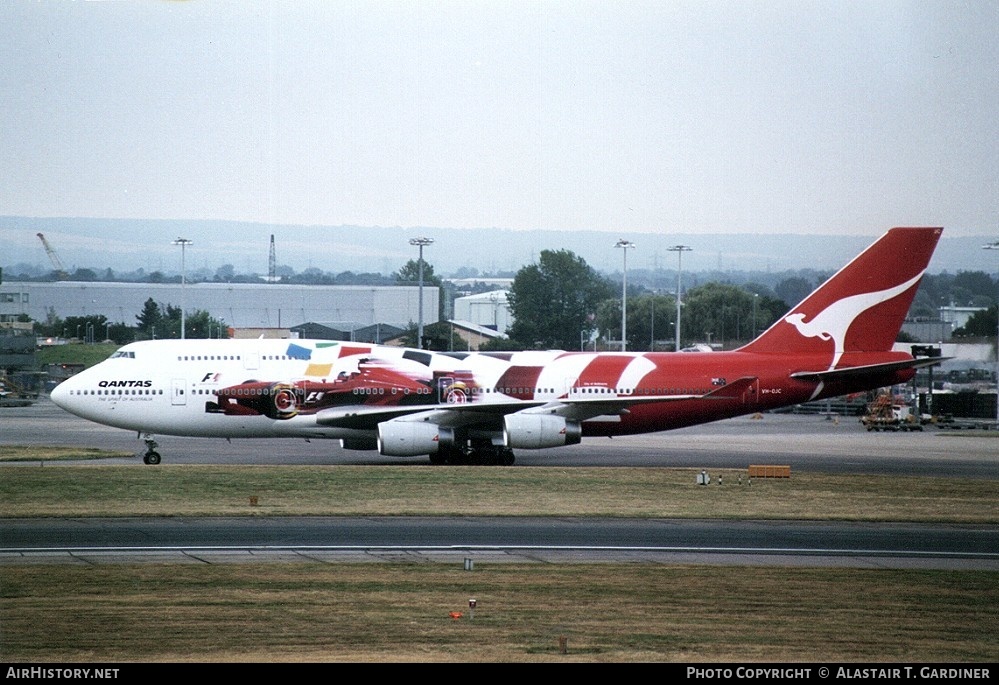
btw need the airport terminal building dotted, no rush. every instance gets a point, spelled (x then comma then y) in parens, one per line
(239, 305)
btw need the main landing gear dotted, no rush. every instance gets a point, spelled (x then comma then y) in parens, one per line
(480, 454)
(151, 456)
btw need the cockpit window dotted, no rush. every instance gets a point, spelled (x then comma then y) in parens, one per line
(123, 354)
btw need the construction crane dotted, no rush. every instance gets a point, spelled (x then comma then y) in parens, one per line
(54, 258)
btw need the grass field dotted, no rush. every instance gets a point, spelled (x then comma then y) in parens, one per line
(208, 490)
(402, 612)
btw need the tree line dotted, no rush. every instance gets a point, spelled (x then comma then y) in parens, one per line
(154, 321)
(562, 303)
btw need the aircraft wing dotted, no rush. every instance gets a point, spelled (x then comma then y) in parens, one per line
(867, 370)
(577, 408)
(368, 418)
(583, 408)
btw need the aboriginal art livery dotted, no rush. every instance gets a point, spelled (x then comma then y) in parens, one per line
(477, 407)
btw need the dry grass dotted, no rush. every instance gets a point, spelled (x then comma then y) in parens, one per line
(194, 490)
(400, 613)
(50, 453)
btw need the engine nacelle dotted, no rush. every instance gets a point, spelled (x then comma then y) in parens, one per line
(537, 431)
(413, 438)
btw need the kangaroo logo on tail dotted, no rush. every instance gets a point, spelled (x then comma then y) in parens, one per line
(834, 321)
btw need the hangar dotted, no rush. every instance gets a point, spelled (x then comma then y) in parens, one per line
(240, 305)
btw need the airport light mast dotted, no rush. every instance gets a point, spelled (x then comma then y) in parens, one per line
(679, 249)
(421, 243)
(183, 242)
(624, 245)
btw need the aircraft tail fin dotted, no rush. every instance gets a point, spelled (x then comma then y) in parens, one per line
(862, 307)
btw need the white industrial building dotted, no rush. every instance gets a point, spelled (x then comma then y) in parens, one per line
(489, 310)
(958, 317)
(239, 305)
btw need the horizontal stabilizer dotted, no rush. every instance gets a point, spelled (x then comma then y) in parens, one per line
(867, 370)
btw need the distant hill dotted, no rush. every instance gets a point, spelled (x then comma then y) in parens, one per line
(128, 245)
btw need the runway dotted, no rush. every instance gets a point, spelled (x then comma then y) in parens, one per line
(499, 540)
(807, 443)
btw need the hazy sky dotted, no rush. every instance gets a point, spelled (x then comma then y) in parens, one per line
(693, 116)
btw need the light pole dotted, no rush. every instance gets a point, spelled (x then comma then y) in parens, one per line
(679, 249)
(624, 245)
(652, 324)
(995, 246)
(756, 297)
(421, 243)
(183, 242)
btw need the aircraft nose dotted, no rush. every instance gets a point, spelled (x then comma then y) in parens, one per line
(60, 395)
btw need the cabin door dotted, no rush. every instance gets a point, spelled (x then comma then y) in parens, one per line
(178, 392)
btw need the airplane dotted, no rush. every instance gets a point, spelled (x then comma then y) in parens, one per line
(478, 407)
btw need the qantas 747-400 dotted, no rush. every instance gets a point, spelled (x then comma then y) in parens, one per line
(477, 407)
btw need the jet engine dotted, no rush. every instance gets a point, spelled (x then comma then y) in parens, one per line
(413, 438)
(537, 431)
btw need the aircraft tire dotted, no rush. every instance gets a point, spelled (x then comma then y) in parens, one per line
(458, 456)
(151, 458)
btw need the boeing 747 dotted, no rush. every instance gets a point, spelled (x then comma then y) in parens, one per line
(477, 407)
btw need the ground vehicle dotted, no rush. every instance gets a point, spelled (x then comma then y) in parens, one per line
(887, 414)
